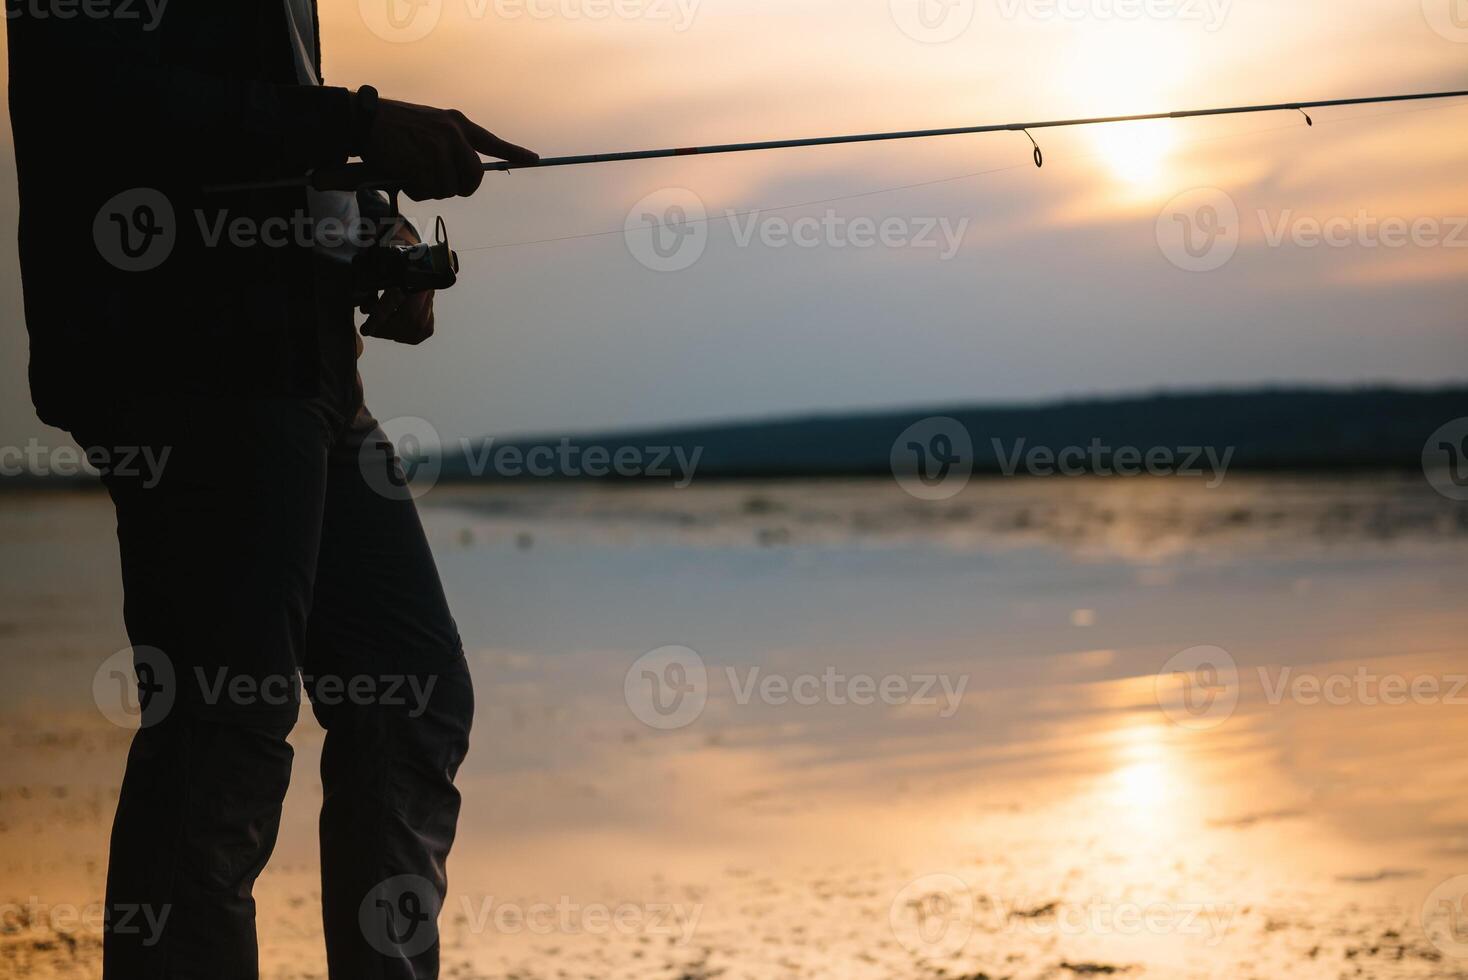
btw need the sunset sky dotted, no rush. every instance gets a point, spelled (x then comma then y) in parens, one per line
(1057, 284)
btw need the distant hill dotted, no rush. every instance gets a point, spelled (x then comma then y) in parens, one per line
(1275, 429)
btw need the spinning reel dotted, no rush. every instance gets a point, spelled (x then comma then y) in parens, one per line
(410, 268)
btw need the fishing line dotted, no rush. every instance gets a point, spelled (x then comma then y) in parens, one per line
(747, 213)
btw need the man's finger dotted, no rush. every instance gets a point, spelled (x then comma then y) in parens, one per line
(422, 176)
(386, 306)
(436, 173)
(470, 170)
(491, 145)
(446, 178)
(416, 315)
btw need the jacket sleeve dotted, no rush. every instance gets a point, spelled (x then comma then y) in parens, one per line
(106, 83)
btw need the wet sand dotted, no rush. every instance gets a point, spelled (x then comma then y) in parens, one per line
(1062, 818)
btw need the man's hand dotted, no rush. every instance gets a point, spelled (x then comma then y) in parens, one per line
(434, 152)
(404, 317)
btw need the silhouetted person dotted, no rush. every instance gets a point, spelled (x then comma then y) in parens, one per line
(271, 546)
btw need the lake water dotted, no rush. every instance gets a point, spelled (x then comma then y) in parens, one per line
(1045, 729)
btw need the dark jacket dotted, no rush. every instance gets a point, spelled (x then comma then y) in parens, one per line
(108, 106)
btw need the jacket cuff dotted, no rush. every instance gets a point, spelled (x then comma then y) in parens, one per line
(325, 114)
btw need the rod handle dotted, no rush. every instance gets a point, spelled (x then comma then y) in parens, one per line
(351, 177)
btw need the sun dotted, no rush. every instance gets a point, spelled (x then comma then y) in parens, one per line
(1129, 72)
(1135, 152)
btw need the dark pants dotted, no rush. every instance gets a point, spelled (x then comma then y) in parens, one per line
(272, 549)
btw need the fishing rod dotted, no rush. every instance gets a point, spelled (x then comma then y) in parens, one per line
(435, 266)
(361, 176)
